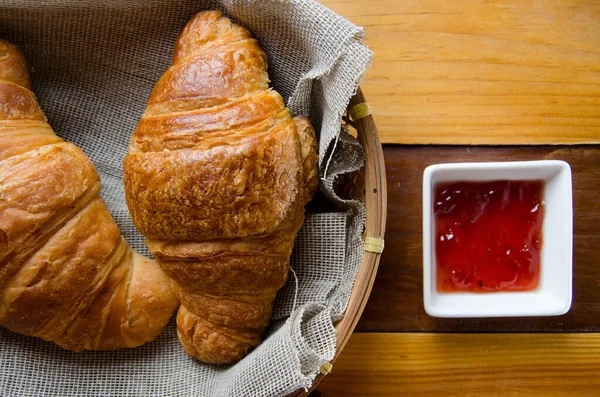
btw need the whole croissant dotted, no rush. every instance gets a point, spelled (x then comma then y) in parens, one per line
(216, 178)
(66, 274)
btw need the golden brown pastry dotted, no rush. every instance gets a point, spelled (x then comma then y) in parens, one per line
(216, 178)
(66, 274)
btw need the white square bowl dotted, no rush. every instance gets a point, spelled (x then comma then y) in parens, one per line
(553, 295)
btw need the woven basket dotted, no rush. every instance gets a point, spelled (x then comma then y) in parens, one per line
(369, 186)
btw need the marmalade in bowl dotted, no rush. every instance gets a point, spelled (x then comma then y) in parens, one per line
(488, 235)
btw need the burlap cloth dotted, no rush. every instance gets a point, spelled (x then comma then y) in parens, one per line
(94, 64)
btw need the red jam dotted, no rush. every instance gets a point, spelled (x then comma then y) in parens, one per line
(488, 235)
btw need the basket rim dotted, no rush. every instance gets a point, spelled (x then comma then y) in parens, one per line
(375, 223)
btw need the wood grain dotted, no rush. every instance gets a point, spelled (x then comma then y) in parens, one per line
(482, 72)
(396, 302)
(410, 364)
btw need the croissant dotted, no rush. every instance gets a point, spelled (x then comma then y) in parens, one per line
(216, 178)
(66, 274)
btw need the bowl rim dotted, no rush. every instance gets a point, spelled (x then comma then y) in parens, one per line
(375, 200)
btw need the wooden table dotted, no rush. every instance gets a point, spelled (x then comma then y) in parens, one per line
(477, 80)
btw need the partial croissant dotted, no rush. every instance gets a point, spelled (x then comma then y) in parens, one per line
(66, 274)
(216, 178)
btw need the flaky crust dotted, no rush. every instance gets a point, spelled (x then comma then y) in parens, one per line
(66, 274)
(216, 178)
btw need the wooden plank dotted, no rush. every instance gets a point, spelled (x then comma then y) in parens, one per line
(482, 72)
(396, 302)
(419, 364)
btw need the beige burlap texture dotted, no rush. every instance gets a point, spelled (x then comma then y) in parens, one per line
(94, 64)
